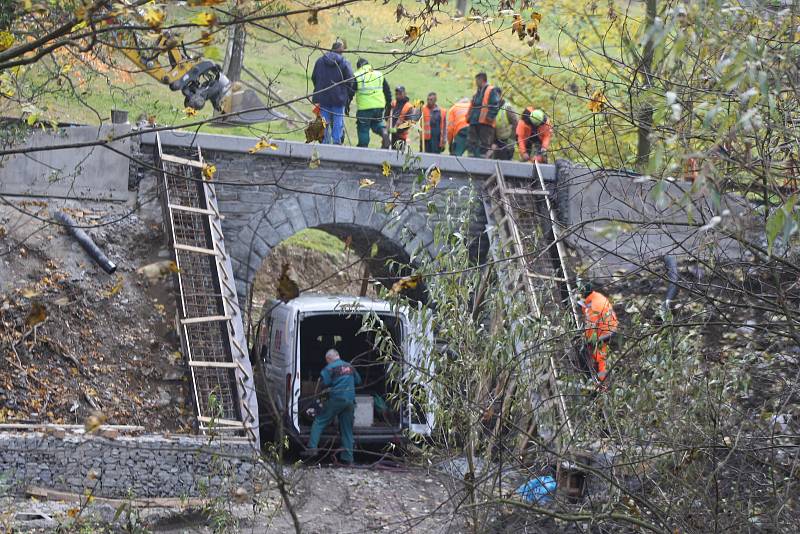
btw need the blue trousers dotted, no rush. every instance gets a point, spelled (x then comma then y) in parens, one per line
(334, 119)
(345, 411)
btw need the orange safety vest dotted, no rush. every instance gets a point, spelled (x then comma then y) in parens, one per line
(599, 315)
(426, 114)
(483, 117)
(457, 119)
(526, 135)
(403, 117)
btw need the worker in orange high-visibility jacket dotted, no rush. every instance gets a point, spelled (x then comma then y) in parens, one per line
(458, 127)
(534, 133)
(402, 116)
(434, 129)
(600, 325)
(482, 114)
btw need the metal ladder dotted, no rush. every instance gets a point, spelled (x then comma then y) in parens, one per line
(209, 319)
(519, 241)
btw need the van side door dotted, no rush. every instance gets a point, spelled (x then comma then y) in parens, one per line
(280, 358)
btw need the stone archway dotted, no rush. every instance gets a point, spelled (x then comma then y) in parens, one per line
(343, 216)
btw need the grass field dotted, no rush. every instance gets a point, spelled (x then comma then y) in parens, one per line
(446, 63)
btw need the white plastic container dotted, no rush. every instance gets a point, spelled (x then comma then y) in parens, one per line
(365, 411)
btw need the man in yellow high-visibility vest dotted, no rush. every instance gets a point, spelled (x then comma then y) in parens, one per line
(372, 96)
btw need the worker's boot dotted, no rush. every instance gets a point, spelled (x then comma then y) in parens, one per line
(309, 453)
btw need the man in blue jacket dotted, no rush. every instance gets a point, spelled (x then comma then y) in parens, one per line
(341, 378)
(334, 87)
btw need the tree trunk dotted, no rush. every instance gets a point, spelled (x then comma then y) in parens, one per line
(461, 7)
(234, 55)
(644, 117)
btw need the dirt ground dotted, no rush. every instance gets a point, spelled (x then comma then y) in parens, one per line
(76, 340)
(325, 499)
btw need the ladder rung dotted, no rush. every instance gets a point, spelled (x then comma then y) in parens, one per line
(521, 191)
(207, 319)
(190, 209)
(181, 161)
(221, 365)
(199, 250)
(223, 428)
(546, 277)
(224, 422)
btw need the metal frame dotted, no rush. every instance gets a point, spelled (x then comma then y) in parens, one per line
(502, 216)
(209, 318)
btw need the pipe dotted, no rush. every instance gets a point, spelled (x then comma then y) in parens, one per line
(85, 241)
(672, 276)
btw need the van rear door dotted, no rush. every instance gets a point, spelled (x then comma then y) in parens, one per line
(417, 344)
(282, 363)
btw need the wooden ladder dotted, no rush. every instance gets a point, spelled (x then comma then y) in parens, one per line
(209, 318)
(519, 242)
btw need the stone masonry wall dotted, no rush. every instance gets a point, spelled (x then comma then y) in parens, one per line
(142, 466)
(269, 196)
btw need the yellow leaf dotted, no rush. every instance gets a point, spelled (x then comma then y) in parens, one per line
(597, 102)
(204, 3)
(37, 315)
(536, 17)
(435, 176)
(518, 27)
(189, 112)
(412, 34)
(154, 17)
(387, 169)
(94, 421)
(113, 290)
(261, 145)
(204, 19)
(407, 282)
(209, 169)
(6, 40)
(389, 207)
(72, 513)
(29, 292)
(366, 182)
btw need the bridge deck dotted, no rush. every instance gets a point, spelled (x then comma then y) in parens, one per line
(352, 155)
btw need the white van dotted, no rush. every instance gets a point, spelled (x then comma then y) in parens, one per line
(291, 341)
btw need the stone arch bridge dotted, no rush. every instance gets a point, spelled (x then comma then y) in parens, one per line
(271, 195)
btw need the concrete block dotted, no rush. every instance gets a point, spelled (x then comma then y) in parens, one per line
(91, 172)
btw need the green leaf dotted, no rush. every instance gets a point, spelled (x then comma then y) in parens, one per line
(373, 251)
(775, 224)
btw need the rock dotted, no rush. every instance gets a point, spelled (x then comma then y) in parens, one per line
(164, 399)
(173, 374)
(745, 330)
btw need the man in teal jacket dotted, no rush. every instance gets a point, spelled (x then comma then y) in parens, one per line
(341, 378)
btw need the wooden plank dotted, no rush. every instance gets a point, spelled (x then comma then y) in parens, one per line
(181, 161)
(190, 248)
(190, 209)
(527, 192)
(80, 428)
(221, 365)
(223, 422)
(546, 277)
(156, 502)
(207, 319)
